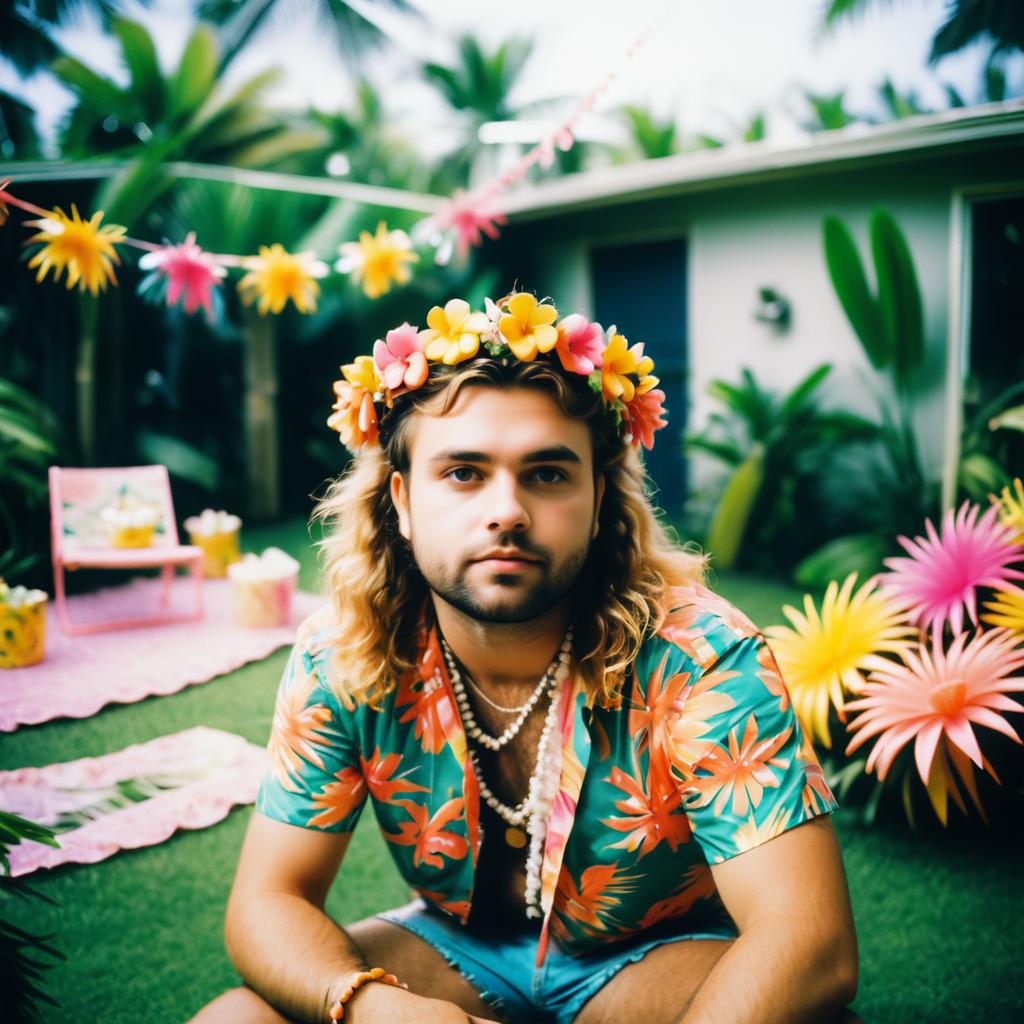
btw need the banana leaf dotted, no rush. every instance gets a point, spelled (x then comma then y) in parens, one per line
(729, 524)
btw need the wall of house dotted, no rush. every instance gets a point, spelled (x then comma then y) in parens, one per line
(769, 233)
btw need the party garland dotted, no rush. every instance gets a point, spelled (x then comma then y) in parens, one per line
(186, 275)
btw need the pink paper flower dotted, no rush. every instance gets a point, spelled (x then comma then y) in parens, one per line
(935, 698)
(642, 417)
(580, 344)
(400, 359)
(468, 214)
(189, 273)
(942, 575)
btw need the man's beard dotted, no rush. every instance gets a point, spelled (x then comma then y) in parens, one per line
(529, 603)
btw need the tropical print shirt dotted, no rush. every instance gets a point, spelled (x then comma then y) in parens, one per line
(702, 759)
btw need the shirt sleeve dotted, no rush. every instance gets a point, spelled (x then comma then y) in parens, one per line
(751, 773)
(314, 776)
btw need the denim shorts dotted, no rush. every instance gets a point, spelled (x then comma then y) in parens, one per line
(502, 966)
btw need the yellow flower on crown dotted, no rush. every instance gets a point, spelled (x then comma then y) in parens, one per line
(363, 374)
(81, 246)
(354, 416)
(620, 364)
(453, 333)
(377, 260)
(276, 275)
(527, 326)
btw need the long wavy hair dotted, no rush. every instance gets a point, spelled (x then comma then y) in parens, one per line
(380, 598)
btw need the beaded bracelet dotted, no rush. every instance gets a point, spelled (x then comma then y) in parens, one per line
(374, 974)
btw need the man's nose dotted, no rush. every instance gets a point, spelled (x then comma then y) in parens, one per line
(506, 509)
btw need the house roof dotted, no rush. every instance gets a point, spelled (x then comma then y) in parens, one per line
(742, 163)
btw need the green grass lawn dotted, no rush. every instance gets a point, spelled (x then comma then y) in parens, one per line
(938, 915)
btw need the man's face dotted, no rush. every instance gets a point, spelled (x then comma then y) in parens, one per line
(500, 502)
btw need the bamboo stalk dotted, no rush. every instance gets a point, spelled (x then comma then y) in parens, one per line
(262, 462)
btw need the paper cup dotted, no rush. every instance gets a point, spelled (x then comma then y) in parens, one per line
(23, 633)
(219, 551)
(262, 603)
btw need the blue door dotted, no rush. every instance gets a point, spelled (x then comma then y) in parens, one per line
(642, 288)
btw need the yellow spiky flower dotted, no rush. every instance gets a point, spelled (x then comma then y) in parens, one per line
(1007, 610)
(377, 261)
(276, 275)
(81, 247)
(822, 657)
(1011, 509)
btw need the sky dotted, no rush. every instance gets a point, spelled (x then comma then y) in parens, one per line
(708, 64)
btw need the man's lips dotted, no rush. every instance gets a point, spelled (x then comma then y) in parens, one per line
(506, 561)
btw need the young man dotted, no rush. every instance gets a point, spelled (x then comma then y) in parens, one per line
(585, 762)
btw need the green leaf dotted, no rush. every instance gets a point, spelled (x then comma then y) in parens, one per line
(99, 93)
(1009, 419)
(861, 553)
(980, 475)
(899, 295)
(802, 393)
(140, 56)
(729, 523)
(196, 75)
(23, 432)
(180, 458)
(851, 287)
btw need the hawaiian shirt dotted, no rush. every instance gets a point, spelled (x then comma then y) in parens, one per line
(702, 759)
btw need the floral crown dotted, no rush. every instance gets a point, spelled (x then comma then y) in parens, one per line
(515, 327)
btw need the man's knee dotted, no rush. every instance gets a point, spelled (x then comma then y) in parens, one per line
(240, 1005)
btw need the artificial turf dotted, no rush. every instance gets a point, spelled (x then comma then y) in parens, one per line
(938, 914)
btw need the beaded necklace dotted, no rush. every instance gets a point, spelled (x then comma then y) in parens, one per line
(535, 808)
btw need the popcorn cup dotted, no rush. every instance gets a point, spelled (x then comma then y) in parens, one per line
(131, 525)
(22, 626)
(263, 587)
(217, 533)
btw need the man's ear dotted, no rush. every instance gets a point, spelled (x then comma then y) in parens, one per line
(400, 499)
(599, 484)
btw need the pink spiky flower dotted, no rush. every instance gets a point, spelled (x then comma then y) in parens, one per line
(935, 698)
(942, 575)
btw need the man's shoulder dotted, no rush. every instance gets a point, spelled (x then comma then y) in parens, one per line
(702, 624)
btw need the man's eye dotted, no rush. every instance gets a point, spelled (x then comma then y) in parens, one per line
(462, 474)
(549, 475)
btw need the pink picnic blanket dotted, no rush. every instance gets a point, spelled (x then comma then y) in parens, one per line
(188, 779)
(80, 674)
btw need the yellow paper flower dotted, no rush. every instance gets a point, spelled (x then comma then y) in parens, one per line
(1007, 610)
(276, 275)
(453, 333)
(620, 364)
(527, 326)
(1011, 509)
(81, 246)
(821, 657)
(377, 260)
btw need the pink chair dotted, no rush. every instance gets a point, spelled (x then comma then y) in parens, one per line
(81, 538)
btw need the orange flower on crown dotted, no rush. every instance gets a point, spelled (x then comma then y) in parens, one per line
(81, 247)
(527, 326)
(625, 371)
(354, 416)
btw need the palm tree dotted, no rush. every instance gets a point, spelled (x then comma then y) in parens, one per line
(653, 138)
(478, 86)
(966, 21)
(828, 111)
(353, 32)
(155, 119)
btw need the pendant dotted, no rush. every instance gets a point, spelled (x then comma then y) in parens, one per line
(515, 837)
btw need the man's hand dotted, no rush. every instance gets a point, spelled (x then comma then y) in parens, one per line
(376, 1004)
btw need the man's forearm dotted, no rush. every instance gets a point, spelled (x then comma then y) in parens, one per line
(290, 952)
(772, 974)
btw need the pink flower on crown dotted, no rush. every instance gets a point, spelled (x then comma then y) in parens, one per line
(642, 417)
(400, 359)
(579, 344)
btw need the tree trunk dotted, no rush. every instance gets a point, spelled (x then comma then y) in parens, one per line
(262, 458)
(85, 378)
